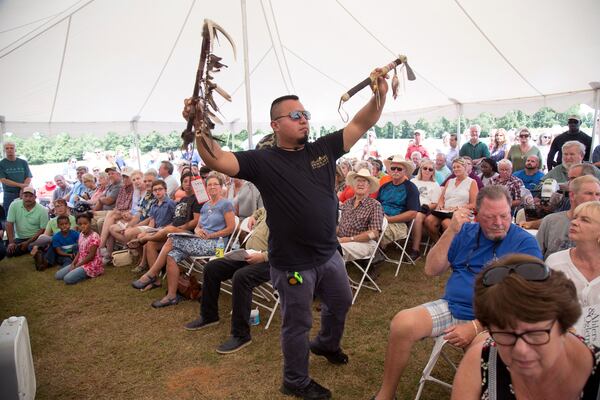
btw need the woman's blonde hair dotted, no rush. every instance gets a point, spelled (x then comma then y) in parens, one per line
(424, 162)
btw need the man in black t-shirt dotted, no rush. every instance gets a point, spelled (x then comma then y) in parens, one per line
(296, 180)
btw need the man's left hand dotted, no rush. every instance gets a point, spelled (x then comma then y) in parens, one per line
(460, 335)
(23, 246)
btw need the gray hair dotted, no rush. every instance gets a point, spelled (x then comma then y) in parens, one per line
(492, 192)
(9, 142)
(59, 177)
(476, 126)
(416, 152)
(362, 165)
(577, 183)
(442, 155)
(504, 161)
(586, 169)
(573, 143)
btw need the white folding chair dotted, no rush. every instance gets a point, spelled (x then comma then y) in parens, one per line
(402, 244)
(365, 271)
(436, 352)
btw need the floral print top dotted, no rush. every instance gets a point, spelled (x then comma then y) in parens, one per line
(94, 267)
(496, 382)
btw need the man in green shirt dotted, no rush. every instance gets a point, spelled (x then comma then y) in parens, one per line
(26, 221)
(14, 174)
(474, 148)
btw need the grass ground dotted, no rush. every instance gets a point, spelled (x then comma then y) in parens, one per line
(100, 339)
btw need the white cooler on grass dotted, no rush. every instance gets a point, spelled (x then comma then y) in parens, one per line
(17, 377)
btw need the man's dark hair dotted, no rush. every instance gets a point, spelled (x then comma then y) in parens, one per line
(279, 100)
(169, 166)
(63, 218)
(453, 135)
(159, 182)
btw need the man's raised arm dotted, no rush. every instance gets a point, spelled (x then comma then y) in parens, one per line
(223, 161)
(366, 117)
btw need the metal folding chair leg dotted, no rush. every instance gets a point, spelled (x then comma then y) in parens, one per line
(436, 352)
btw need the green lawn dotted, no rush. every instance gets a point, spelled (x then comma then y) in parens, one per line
(100, 339)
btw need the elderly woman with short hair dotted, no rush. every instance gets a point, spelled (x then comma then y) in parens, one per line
(531, 354)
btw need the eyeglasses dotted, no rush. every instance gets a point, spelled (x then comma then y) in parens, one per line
(396, 169)
(536, 337)
(523, 136)
(295, 115)
(529, 271)
(427, 169)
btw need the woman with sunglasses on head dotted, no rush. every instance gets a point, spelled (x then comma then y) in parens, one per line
(459, 192)
(429, 194)
(519, 152)
(528, 310)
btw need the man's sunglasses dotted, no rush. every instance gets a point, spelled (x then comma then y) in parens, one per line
(536, 272)
(396, 169)
(295, 115)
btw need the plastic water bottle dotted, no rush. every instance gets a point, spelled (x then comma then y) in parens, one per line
(254, 317)
(220, 248)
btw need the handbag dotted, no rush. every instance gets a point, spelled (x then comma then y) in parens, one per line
(188, 287)
(121, 258)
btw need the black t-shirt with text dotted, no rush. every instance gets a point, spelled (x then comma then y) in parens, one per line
(185, 209)
(297, 188)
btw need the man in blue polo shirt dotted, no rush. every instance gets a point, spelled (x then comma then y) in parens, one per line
(399, 199)
(465, 248)
(531, 174)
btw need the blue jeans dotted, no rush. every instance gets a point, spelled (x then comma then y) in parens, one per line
(71, 277)
(9, 198)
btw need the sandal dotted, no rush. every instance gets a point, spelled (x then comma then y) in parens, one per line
(134, 244)
(139, 284)
(170, 302)
(152, 285)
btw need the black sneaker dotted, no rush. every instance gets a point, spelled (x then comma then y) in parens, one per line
(313, 391)
(337, 357)
(233, 344)
(199, 323)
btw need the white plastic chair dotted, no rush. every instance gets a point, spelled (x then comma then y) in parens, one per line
(365, 271)
(436, 352)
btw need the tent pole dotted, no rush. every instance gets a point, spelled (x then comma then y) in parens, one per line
(2, 127)
(595, 130)
(136, 139)
(247, 76)
(458, 127)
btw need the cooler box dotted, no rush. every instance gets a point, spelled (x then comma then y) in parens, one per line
(17, 377)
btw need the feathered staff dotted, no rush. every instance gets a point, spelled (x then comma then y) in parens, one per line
(200, 110)
(372, 81)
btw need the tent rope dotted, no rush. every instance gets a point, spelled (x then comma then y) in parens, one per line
(287, 68)
(287, 88)
(60, 71)
(497, 49)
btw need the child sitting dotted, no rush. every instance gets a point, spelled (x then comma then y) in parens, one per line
(88, 261)
(64, 243)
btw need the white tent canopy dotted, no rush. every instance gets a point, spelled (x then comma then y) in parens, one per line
(94, 65)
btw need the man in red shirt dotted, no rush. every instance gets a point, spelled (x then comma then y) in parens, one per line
(417, 146)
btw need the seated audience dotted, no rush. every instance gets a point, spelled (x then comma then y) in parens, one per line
(553, 234)
(165, 172)
(531, 174)
(498, 145)
(530, 353)
(63, 190)
(217, 220)
(111, 201)
(78, 187)
(94, 188)
(376, 168)
(248, 199)
(185, 219)
(340, 180)
(489, 170)
(465, 248)
(512, 183)
(87, 263)
(518, 153)
(572, 153)
(245, 276)
(399, 199)
(362, 217)
(429, 195)
(25, 222)
(348, 191)
(459, 192)
(416, 159)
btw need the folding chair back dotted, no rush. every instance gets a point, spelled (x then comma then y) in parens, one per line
(402, 244)
(365, 271)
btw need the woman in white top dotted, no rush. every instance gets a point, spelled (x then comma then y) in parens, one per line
(581, 263)
(429, 194)
(459, 192)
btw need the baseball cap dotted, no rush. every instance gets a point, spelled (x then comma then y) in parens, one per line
(127, 171)
(29, 189)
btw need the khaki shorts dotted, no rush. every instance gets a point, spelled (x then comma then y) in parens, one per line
(394, 232)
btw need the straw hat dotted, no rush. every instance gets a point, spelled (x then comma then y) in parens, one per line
(398, 159)
(363, 173)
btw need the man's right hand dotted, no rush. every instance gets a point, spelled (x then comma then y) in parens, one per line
(11, 248)
(251, 222)
(460, 217)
